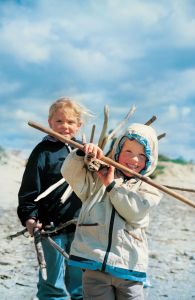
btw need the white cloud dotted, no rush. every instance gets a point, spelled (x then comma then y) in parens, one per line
(172, 112)
(177, 113)
(104, 50)
(26, 40)
(185, 111)
(23, 115)
(182, 23)
(174, 87)
(9, 87)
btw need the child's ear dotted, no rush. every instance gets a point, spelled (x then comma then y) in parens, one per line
(49, 122)
(79, 124)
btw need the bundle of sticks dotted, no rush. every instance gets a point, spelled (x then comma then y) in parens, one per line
(103, 140)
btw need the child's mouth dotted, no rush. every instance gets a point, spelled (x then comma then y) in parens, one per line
(132, 167)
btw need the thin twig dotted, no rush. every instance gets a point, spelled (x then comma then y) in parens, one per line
(149, 122)
(57, 247)
(122, 123)
(105, 126)
(59, 228)
(92, 133)
(160, 136)
(180, 189)
(84, 140)
(12, 236)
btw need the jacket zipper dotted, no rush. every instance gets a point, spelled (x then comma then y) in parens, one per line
(109, 240)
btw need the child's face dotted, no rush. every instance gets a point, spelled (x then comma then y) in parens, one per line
(132, 156)
(65, 122)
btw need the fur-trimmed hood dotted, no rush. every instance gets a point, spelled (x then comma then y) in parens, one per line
(146, 136)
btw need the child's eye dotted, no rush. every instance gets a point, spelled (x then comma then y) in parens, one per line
(128, 151)
(142, 157)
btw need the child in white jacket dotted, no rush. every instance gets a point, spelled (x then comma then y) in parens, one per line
(110, 242)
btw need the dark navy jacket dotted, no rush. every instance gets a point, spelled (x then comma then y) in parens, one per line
(42, 171)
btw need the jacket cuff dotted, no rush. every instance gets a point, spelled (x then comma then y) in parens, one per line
(79, 152)
(110, 186)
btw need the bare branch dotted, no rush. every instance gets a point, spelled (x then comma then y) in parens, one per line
(113, 163)
(92, 133)
(84, 140)
(160, 136)
(180, 189)
(122, 123)
(105, 126)
(149, 122)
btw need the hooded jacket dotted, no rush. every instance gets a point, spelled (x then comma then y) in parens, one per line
(41, 172)
(110, 234)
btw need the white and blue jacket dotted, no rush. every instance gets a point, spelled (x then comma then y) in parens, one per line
(110, 234)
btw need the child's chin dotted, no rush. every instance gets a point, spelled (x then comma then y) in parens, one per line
(128, 174)
(65, 135)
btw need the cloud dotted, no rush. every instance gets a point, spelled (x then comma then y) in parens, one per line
(9, 87)
(177, 113)
(175, 86)
(173, 112)
(182, 22)
(29, 40)
(99, 52)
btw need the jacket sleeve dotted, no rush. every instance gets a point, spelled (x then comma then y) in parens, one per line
(78, 177)
(133, 205)
(30, 188)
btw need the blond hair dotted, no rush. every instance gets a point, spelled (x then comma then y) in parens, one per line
(80, 111)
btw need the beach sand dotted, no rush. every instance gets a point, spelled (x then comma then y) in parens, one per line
(171, 238)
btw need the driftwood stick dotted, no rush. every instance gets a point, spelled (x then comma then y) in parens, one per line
(44, 233)
(160, 136)
(104, 142)
(109, 161)
(179, 188)
(84, 138)
(40, 253)
(92, 134)
(104, 128)
(57, 247)
(122, 123)
(18, 233)
(149, 122)
(58, 228)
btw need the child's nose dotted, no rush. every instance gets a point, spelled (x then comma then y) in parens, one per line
(135, 158)
(65, 125)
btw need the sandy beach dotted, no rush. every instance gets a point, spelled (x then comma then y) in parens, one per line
(171, 237)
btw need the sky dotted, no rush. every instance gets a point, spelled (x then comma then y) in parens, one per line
(117, 53)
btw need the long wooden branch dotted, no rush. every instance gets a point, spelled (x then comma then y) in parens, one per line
(109, 161)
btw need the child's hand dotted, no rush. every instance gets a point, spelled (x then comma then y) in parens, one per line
(31, 224)
(94, 150)
(106, 175)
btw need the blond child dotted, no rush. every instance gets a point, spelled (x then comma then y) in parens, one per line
(42, 171)
(110, 242)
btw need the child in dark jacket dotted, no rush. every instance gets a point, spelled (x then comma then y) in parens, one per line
(39, 183)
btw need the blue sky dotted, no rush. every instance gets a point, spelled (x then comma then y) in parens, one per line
(106, 52)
